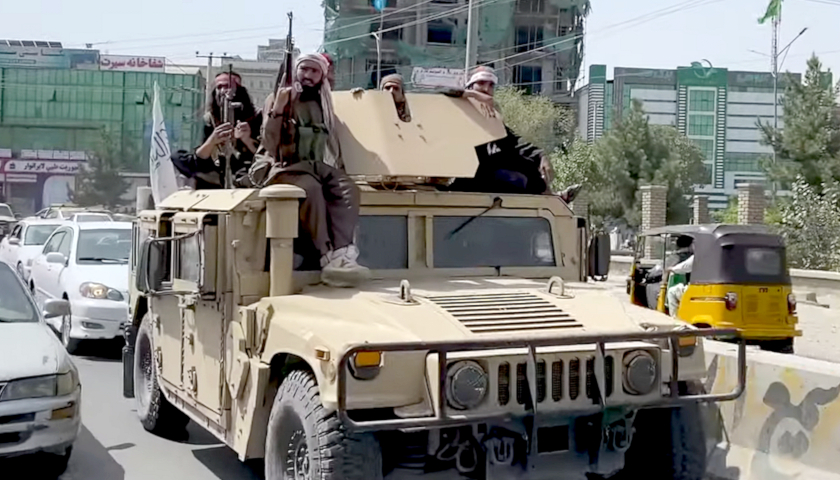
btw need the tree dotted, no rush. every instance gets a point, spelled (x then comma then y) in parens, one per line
(809, 220)
(809, 145)
(100, 184)
(536, 118)
(634, 153)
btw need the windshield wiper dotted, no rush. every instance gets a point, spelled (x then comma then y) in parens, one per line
(497, 203)
(103, 260)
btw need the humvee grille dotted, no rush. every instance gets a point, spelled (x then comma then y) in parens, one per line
(557, 380)
(505, 312)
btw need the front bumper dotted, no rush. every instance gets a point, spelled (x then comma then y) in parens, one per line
(27, 426)
(98, 319)
(443, 416)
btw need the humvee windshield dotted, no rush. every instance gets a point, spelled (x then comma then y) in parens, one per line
(483, 242)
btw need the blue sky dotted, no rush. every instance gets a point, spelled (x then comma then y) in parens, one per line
(722, 31)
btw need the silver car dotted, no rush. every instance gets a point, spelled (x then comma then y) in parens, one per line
(40, 393)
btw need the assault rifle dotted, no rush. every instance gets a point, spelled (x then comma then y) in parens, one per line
(285, 75)
(229, 116)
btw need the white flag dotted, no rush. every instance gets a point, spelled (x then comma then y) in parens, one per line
(162, 172)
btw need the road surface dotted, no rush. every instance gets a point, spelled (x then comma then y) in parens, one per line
(114, 446)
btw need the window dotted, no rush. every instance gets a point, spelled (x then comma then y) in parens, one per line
(383, 242)
(703, 125)
(529, 37)
(528, 78)
(708, 170)
(189, 259)
(764, 262)
(387, 3)
(389, 34)
(54, 242)
(701, 100)
(439, 31)
(5, 211)
(530, 6)
(16, 232)
(388, 67)
(16, 305)
(707, 147)
(744, 162)
(64, 246)
(38, 234)
(493, 242)
(103, 246)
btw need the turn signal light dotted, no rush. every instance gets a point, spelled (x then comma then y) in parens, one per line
(367, 359)
(64, 413)
(731, 300)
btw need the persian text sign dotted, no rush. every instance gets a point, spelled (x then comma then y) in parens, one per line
(42, 166)
(438, 77)
(127, 63)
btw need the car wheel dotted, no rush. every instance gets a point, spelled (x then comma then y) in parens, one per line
(305, 443)
(156, 413)
(55, 465)
(19, 269)
(669, 443)
(70, 344)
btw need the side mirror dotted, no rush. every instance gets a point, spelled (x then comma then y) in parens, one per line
(18, 216)
(56, 308)
(57, 258)
(599, 258)
(14, 241)
(152, 266)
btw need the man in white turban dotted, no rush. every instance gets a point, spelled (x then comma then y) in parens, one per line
(302, 147)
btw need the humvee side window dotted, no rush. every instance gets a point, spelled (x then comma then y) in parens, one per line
(383, 241)
(493, 242)
(188, 260)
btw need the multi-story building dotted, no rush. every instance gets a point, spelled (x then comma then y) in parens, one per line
(717, 108)
(534, 44)
(55, 104)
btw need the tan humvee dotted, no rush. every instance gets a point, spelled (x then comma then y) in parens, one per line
(478, 350)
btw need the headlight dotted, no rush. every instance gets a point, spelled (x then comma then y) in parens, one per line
(639, 372)
(100, 292)
(39, 387)
(466, 385)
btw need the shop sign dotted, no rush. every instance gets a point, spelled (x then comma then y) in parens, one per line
(127, 63)
(438, 77)
(21, 178)
(42, 166)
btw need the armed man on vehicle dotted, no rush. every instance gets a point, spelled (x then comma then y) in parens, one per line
(235, 140)
(302, 149)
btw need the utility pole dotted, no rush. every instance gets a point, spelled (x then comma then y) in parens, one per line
(472, 43)
(379, 49)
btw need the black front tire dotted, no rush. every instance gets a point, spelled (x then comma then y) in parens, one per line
(156, 413)
(303, 441)
(669, 444)
(55, 465)
(784, 345)
(70, 344)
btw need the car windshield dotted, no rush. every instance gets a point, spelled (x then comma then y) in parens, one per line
(38, 234)
(16, 305)
(103, 246)
(492, 242)
(5, 211)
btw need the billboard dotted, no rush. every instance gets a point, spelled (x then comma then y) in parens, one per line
(48, 57)
(438, 77)
(129, 63)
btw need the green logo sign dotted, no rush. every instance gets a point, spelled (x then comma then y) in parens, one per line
(702, 71)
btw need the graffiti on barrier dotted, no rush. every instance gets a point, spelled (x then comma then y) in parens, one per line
(786, 431)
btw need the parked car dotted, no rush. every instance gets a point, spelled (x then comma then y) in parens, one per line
(87, 264)
(91, 217)
(25, 242)
(7, 219)
(66, 212)
(40, 394)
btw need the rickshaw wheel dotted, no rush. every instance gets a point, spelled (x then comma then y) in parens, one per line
(784, 345)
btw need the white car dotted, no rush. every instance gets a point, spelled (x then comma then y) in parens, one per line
(90, 217)
(67, 212)
(40, 394)
(87, 264)
(25, 242)
(7, 219)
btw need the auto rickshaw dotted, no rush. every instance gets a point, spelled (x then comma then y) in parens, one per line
(739, 279)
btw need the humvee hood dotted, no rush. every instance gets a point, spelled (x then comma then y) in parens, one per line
(455, 309)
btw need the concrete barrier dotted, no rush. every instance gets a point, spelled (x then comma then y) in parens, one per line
(814, 280)
(785, 426)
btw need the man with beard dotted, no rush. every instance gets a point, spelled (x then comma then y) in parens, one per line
(394, 85)
(205, 167)
(310, 158)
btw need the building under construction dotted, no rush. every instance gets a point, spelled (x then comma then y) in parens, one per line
(534, 44)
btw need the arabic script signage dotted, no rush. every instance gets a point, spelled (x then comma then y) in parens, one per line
(38, 57)
(437, 77)
(127, 63)
(42, 166)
